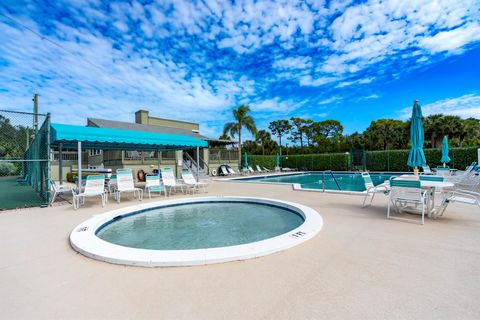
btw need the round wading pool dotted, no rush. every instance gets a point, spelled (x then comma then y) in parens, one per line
(195, 231)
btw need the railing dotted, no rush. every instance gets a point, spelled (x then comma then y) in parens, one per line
(333, 177)
(220, 155)
(68, 156)
(192, 165)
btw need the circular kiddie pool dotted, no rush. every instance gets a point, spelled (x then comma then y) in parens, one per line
(195, 231)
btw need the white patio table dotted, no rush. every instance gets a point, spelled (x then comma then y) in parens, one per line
(432, 187)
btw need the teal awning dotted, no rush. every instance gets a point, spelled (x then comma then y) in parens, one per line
(118, 139)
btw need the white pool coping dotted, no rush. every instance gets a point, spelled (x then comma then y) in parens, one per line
(84, 240)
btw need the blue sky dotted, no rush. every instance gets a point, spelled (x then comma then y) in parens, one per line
(196, 60)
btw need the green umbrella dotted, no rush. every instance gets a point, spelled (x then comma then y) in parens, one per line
(245, 160)
(445, 157)
(277, 160)
(416, 158)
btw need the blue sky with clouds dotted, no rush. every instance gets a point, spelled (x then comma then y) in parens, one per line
(353, 61)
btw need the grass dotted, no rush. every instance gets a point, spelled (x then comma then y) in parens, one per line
(14, 195)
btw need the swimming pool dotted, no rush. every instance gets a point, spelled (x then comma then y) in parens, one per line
(195, 231)
(337, 181)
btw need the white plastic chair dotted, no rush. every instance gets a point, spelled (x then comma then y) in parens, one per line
(266, 170)
(170, 181)
(371, 190)
(152, 184)
(190, 180)
(404, 192)
(58, 190)
(94, 187)
(224, 170)
(259, 169)
(125, 184)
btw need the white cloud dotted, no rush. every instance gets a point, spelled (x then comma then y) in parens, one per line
(464, 106)
(452, 40)
(329, 100)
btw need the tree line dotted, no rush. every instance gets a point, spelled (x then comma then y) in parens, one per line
(303, 136)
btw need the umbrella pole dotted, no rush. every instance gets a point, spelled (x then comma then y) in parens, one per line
(415, 171)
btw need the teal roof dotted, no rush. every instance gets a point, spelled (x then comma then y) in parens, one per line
(119, 139)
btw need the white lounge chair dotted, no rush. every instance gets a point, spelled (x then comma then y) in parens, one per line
(152, 184)
(94, 187)
(266, 170)
(230, 170)
(125, 184)
(404, 192)
(250, 169)
(371, 190)
(58, 190)
(427, 170)
(190, 180)
(169, 181)
(462, 196)
(259, 169)
(224, 170)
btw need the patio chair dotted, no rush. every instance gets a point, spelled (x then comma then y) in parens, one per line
(371, 190)
(224, 171)
(125, 184)
(462, 196)
(57, 190)
(250, 169)
(443, 171)
(230, 170)
(190, 180)
(426, 169)
(23, 180)
(404, 192)
(152, 184)
(259, 169)
(94, 187)
(266, 170)
(171, 182)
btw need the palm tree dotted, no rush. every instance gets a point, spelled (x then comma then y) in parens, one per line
(242, 119)
(263, 137)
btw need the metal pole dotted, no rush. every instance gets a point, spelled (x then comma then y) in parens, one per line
(79, 171)
(198, 161)
(35, 113)
(60, 163)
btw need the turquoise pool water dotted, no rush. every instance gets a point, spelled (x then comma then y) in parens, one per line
(200, 225)
(314, 180)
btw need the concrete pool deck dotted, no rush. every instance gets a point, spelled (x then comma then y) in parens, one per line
(360, 266)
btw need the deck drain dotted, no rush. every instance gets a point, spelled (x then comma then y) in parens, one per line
(82, 229)
(298, 234)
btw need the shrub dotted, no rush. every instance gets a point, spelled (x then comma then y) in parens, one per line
(396, 160)
(7, 169)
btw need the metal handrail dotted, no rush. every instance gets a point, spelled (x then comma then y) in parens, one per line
(189, 157)
(334, 179)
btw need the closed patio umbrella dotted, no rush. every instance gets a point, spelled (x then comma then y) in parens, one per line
(277, 161)
(445, 158)
(416, 157)
(245, 160)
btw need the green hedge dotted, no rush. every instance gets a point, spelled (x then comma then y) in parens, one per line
(396, 160)
(332, 161)
(392, 160)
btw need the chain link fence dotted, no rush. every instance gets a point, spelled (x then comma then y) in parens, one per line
(24, 159)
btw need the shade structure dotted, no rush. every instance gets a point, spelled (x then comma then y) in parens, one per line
(277, 160)
(416, 157)
(119, 139)
(445, 157)
(245, 160)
